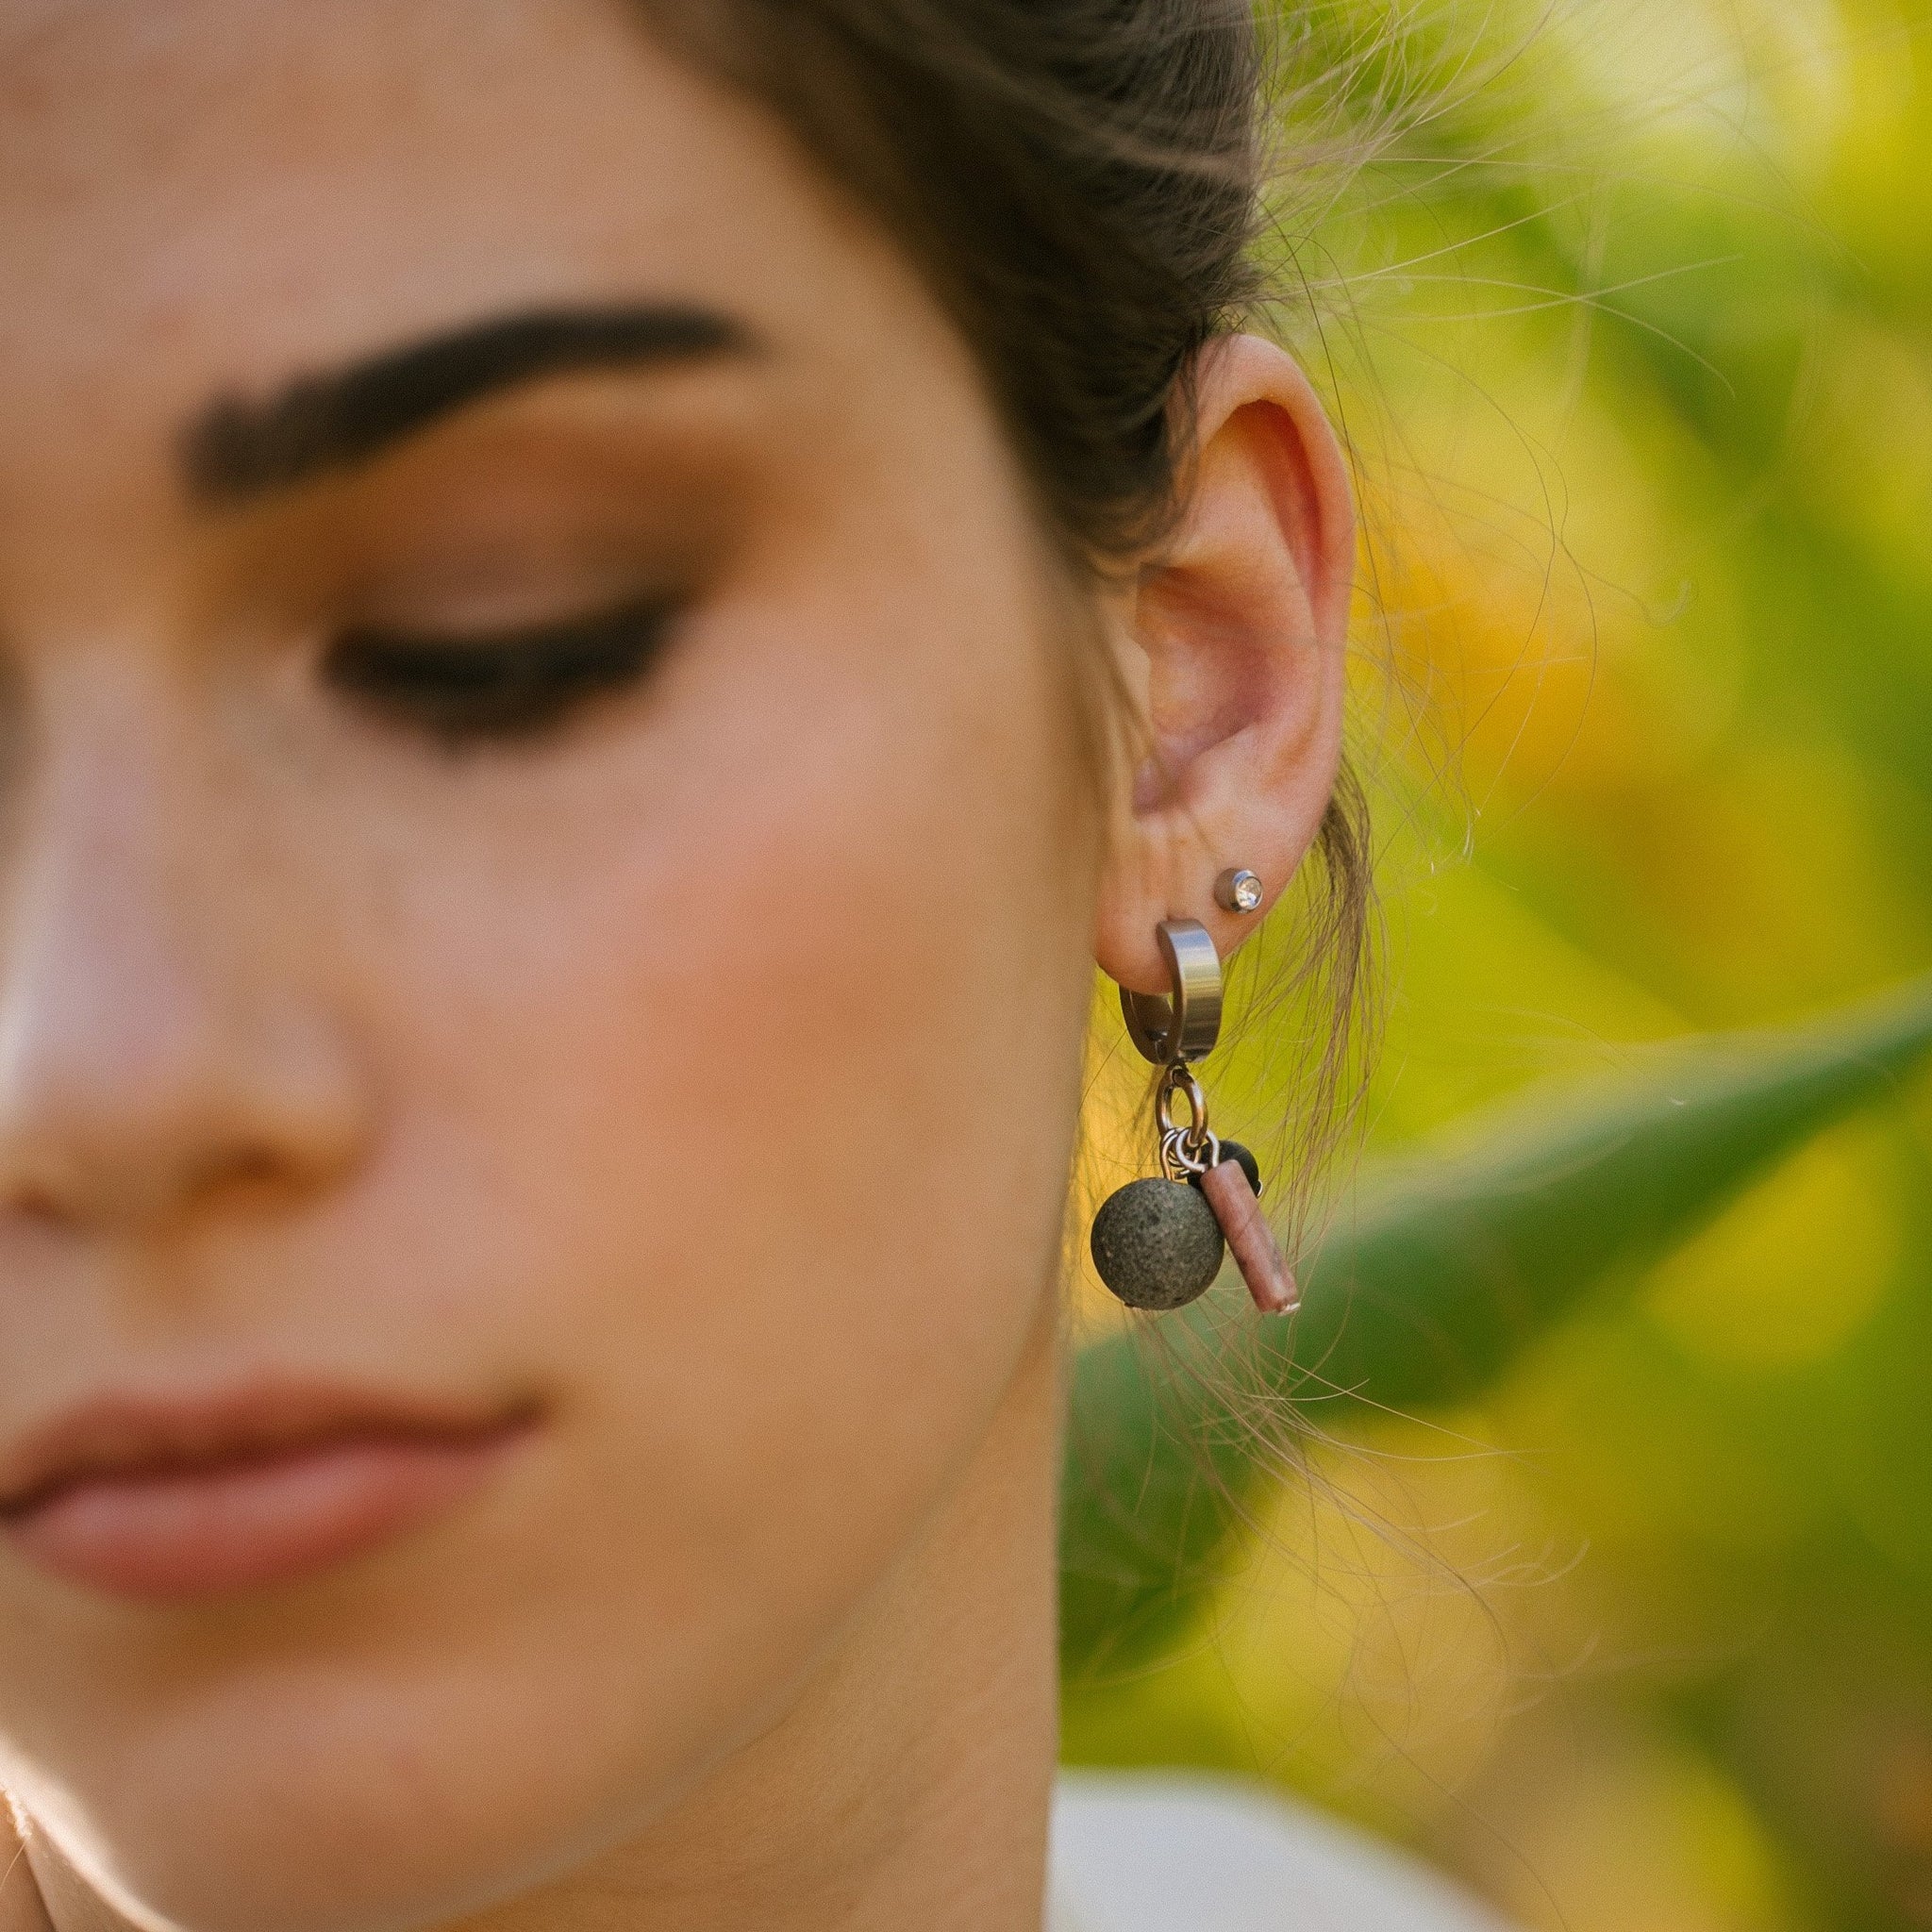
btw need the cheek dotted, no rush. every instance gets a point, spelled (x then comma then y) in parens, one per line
(748, 1069)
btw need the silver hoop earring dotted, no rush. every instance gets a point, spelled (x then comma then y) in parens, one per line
(1159, 1244)
(1170, 1029)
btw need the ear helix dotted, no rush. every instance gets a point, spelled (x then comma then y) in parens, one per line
(1158, 1242)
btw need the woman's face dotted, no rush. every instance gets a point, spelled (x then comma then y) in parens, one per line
(544, 928)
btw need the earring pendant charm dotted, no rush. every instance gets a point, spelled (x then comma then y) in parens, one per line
(1250, 1240)
(1159, 1244)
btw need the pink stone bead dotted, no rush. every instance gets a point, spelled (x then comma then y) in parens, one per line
(1250, 1240)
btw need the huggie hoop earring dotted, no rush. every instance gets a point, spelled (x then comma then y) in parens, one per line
(1184, 1026)
(1159, 1244)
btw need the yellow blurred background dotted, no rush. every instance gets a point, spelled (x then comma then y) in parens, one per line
(1630, 318)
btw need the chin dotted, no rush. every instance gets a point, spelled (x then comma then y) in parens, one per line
(350, 1791)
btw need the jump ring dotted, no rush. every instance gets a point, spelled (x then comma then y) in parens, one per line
(1196, 1140)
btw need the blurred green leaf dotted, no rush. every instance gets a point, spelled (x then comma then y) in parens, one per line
(1446, 1271)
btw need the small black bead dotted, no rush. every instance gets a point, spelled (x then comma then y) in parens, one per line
(1233, 1150)
(1156, 1244)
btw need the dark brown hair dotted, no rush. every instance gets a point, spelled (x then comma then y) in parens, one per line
(1076, 179)
(1080, 182)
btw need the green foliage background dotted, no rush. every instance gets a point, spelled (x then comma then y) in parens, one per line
(1618, 1601)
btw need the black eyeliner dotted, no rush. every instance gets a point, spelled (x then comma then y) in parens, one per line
(472, 689)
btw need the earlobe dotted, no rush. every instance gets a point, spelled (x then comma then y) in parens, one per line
(1240, 625)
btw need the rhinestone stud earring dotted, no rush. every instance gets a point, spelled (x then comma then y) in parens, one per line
(1238, 891)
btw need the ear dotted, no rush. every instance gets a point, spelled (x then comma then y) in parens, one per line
(1234, 638)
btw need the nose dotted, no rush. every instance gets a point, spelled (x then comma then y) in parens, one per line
(156, 1051)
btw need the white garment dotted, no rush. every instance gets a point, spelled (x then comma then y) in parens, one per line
(1164, 1852)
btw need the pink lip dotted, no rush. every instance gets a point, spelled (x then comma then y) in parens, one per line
(165, 1500)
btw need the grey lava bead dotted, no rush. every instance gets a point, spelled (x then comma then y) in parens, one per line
(1157, 1243)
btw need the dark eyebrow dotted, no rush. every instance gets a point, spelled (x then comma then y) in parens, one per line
(241, 448)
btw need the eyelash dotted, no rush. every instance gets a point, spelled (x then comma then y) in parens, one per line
(515, 685)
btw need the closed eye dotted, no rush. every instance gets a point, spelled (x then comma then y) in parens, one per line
(467, 690)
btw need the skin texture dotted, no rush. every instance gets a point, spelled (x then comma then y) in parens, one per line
(700, 1074)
